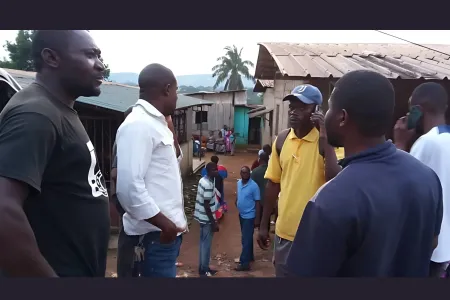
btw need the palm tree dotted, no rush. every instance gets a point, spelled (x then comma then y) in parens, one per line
(231, 68)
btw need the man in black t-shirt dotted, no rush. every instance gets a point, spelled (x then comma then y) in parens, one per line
(54, 210)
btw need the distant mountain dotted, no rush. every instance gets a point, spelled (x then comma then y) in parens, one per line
(186, 80)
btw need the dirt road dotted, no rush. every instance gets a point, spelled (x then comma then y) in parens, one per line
(227, 242)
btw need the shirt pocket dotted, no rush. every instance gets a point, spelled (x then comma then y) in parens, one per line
(165, 153)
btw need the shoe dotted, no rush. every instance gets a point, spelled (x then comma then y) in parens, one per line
(206, 274)
(212, 272)
(242, 268)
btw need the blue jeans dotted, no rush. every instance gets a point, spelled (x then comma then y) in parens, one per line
(160, 259)
(206, 238)
(247, 230)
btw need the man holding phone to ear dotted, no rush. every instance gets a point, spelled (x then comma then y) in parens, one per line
(301, 162)
(426, 119)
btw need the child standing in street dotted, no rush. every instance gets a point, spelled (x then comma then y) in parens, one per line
(247, 202)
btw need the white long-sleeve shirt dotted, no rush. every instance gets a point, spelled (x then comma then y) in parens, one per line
(432, 149)
(148, 174)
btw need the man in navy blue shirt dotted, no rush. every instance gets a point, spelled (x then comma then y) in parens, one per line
(380, 217)
(247, 202)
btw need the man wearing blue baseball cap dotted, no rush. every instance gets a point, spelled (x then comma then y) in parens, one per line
(302, 161)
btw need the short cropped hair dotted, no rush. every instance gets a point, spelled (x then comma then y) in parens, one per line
(215, 159)
(431, 96)
(57, 40)
(210, 166)
(246, 167)
(369, 99)
(268, 149)
(264, 157)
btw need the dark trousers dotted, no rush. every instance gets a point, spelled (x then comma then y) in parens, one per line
(125, 254)
(206, 238)
(438, 270)
(247, 230)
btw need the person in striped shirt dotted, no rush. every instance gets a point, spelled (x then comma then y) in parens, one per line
(205, 207)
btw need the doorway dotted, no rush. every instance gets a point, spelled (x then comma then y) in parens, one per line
(254, 131)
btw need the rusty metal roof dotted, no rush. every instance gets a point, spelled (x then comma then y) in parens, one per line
(114, 96)
(395, 61)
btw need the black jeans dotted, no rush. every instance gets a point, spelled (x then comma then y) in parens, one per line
(125, 254)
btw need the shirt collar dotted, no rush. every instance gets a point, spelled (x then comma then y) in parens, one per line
(244, 185)
(150, 108)
(387, 148)
(311, 137)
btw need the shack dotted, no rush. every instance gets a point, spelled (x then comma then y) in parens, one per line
(406, 65)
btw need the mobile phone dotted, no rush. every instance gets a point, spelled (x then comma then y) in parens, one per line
(317, 109)
(415, 114)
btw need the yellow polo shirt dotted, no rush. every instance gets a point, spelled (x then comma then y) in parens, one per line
(301, 172)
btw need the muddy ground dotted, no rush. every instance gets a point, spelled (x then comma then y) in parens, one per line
(227, 242)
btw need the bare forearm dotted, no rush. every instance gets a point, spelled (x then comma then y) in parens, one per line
(271, 195)
(209, 212)
(258, 211)
(19, 252)
(332, 168)
(160, 221)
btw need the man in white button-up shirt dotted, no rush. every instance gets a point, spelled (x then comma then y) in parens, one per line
(149, 185)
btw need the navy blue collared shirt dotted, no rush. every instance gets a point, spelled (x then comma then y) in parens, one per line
(377, 218)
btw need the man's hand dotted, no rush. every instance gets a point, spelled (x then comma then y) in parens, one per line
(170, 233)
(257, 223)
(214, 226)
(318, 120)
(263, 238)
(402, 135)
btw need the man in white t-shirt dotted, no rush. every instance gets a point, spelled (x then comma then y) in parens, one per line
(428, 104)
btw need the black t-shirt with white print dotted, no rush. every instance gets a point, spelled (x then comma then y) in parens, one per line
(44, 144)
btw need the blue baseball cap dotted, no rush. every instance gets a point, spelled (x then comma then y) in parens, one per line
(306, 93)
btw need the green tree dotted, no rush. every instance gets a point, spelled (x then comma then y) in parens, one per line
(20, 52)
(231, 68)
(107, 70)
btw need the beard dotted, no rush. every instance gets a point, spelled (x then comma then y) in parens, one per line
(78, 90)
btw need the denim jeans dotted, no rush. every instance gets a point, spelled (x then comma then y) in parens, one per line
(206, 238)
(247, 230)
(160, 259)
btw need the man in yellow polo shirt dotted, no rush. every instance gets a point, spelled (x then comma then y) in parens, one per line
(297, 170)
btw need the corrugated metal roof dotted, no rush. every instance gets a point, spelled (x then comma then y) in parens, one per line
(261, 85)
(266, 83)
(114, 96)
(259, 113)
(394, 61)
(215, 92)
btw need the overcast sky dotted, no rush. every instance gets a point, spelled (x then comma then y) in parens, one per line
(195, 51)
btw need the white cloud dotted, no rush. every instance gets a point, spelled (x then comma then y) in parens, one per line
(195, 52)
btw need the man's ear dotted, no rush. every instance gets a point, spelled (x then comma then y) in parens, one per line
(343, 118)
(50, 58)
(167, 90)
